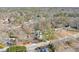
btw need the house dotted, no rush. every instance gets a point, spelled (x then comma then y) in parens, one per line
(9, 41)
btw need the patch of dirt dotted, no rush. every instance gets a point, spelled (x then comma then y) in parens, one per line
(63, 33)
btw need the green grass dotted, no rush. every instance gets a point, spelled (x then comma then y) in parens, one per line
(16, 49)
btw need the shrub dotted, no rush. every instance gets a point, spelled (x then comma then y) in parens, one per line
(51, 48)
(11, 35)
(16, 49)
(1, 45)
(49, 34)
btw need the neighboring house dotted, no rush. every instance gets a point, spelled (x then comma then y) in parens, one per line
(42, 49)
(9, 41)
